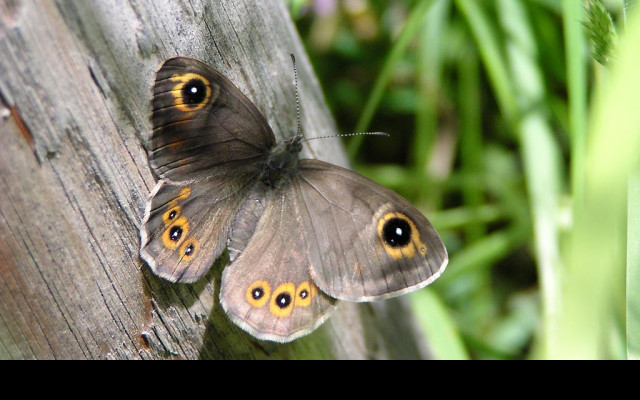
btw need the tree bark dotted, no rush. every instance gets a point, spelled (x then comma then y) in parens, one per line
(75, 104)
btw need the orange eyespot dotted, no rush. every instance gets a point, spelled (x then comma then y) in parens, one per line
(189, 249)
(192, 92)
(171, 214)
(258, 293)
(173, 209)
(175, 233)
(400, 236)
(303, 295)
(282, 300)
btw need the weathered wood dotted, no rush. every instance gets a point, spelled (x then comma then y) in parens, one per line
(75, 92)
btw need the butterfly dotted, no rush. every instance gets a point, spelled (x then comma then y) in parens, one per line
(301, 234)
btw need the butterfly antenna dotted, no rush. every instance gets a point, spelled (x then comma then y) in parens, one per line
(295, 74)
(350, 134)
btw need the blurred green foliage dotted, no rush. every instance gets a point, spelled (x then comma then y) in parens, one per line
(492, 107)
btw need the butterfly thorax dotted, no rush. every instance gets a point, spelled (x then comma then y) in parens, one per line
(282, 162)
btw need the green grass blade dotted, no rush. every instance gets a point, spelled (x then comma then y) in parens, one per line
(633, 268)
(596, 270)
(472, 150)
(444, 339)
(575, 44)
(454, 218)
(540, 153)
(429, 76)
(411, 28)
(483, 253)
(487, 41)
(552, 5)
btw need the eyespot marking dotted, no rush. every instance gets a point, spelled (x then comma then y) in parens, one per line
(189, 249)
(258, 293)
(173, 209)
(175, 233)
(400, 236)
(303, 295)
(282, 300)
(171, 214)
(192, 92)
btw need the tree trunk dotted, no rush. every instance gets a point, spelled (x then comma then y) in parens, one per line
(75, 104)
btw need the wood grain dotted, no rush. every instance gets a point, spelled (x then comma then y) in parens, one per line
(75, 93)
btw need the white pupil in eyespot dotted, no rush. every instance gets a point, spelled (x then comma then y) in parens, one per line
(399, 231)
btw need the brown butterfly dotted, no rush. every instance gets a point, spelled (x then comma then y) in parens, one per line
(300, 233)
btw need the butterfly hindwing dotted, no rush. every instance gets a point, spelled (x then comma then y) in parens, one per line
(186, 226)
(365, 241)
(267, 289)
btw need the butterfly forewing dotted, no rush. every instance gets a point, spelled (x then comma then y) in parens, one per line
(202, 122)
(208, 145)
